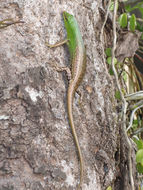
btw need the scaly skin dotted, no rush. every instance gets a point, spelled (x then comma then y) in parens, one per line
(78, 61)
(7, 22)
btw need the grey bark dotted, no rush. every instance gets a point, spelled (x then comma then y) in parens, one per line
(37, 151)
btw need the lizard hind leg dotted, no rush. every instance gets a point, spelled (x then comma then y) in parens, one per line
(80, 99)
(60, 43)
(7, 22)
(61, 69)
(55, 66)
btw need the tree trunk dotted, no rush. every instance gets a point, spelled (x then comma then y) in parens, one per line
(37, 150)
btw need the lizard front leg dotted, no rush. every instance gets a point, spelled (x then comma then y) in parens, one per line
(7, 22)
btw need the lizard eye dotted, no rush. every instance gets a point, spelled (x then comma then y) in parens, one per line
(66, 18)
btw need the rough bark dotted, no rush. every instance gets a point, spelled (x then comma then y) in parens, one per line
(37, 151)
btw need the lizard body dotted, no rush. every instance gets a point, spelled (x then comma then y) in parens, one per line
(78, 66)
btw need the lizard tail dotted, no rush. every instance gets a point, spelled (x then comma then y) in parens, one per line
(71, 91)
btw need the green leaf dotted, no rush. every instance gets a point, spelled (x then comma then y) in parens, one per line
(139, 27)
(111, 71)
(138, 6)
(141, 10)
(142, 162)
(140, 168)
(139, 143)
(142, 36)
(132, 23)
(139, 156)
(128, 8)
(123, 20)
(135, 122)
(109, 60)
(117, 95)
(109, 188)
(108, 52)
(125, 76)
(111, 8)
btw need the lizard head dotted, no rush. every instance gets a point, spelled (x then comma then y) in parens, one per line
(73, 33)
(69, 19)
